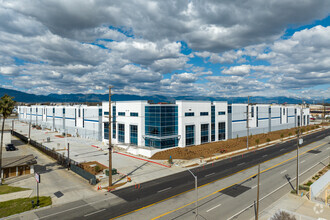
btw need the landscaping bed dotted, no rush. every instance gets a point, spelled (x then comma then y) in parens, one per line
(16, 206)
(4, 189)
(220, 147)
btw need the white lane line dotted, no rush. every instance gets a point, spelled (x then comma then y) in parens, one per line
(283, 171)
(302, 161)
(240, 164)
(255, 186)
(265, 155)
(238, 213)
(213, 208)
(282, 149)
(209, 174)
(164, 189)
(101, 210)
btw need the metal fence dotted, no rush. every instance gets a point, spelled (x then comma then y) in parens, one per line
(60, 158)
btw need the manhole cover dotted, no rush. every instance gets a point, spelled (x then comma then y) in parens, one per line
(58, 194)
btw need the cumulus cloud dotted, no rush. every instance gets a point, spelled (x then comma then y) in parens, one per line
(59, 46)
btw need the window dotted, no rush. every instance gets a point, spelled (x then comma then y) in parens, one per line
(221, 113)
(283, 111)
(280, 115)
(229, 109)
(204, 133)
(121, 133)
(63, 110)
(100, 112)
(78, 113)
(106, 130)
(106, 113)
(134, 134)
(212, 123)
(222, 130)
(257, 116)
(204, 113)
(187, 114)
(134, 114)
(121, 113)
(190, 135)
(114, 131)
(269, 110)
(161, 121)
(252, 111)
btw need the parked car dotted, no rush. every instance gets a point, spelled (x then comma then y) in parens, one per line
(10, 147)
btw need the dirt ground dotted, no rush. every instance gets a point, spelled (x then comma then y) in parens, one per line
(220, 147)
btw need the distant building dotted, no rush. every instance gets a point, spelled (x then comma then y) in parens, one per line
(164, 125)
(17, 166)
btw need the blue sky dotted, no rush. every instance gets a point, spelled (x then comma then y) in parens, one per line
(171, 48)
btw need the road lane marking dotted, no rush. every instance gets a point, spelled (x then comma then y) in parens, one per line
(209, 174)
(255, 186)
(164, 189)
(264, 155)
(276, 189)
(282, 149)
(101, 210)
(169, 212)
(213, 208)
(283, 171)
(302, 161)
(240, 164)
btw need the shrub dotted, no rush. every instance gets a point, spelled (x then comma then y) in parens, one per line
(302, 187)
(282, 215)
(268, 140)
(97, 168)
(302, 130)
(223, 151)
(308, 183)
(257, 141)
(290, 134)
(282, 136)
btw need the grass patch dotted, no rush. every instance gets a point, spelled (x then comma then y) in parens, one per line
(4, 189)
(16, 206)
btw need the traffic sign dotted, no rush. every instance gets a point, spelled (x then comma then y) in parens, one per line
(37, 177)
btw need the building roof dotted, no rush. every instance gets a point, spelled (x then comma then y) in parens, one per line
(18, 161)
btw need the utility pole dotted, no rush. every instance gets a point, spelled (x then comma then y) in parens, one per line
(298, 140)
(247, 124)
(323, 115)
(257, 215)
(68, 156)
(110, 146)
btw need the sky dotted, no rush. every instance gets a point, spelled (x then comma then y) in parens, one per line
(173, 48)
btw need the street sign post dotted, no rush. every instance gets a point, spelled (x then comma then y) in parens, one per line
(37, 177)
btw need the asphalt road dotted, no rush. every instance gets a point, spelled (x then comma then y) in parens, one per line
(163, 188)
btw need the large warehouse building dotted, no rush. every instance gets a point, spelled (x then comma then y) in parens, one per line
(163, 125)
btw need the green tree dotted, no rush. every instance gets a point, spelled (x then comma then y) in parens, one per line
(282, 136)
(257, 142)
(7, 105)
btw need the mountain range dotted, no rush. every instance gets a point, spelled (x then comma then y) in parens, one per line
(84, 98)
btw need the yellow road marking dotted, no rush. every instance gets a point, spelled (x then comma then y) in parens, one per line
(239, 181)
(213, 182)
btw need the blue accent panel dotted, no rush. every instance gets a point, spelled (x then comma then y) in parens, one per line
(91, 120)
(263, 118)
(70, 118)
(239, 120)
(275, 117)
(291, 116)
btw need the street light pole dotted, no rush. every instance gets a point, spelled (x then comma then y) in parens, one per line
(257, 216)
(247, 124)
(110, 146)
(196, 189)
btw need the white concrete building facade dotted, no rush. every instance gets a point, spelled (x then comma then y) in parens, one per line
(164, 125)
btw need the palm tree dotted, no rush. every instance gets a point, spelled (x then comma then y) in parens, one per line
(7, 105)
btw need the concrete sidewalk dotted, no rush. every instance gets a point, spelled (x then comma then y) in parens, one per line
(300, 207)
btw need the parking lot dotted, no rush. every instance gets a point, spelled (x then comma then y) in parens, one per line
(85, 150)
